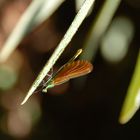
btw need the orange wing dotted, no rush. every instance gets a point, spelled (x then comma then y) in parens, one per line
(72, 70)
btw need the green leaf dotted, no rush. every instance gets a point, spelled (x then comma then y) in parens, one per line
(132, 100)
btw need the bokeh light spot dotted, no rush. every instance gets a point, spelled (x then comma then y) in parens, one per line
(115, 43)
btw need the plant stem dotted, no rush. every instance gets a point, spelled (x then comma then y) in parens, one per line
(62, 45)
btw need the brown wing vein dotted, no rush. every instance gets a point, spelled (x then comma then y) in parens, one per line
(73, 70)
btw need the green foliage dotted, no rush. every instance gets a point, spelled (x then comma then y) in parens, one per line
(132, 100)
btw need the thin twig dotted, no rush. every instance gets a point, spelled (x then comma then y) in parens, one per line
(62, 45)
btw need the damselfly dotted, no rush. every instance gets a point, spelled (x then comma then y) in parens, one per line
(72, 69)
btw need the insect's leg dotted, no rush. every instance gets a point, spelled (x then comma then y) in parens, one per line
(51, 73)
(43, 82)
(49, 78)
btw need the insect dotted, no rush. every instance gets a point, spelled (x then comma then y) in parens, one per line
(72, 69)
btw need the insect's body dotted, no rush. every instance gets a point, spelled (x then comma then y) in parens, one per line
(69, 71)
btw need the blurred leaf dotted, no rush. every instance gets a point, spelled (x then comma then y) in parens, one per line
(99, 27)
(37, 12)
(132, 100)
(8, 78)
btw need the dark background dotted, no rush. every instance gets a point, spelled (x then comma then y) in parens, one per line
(91, 112)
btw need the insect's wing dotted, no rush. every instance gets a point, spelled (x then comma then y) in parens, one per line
(73, 70)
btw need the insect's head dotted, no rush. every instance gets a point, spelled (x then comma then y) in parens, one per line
(50, 85)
